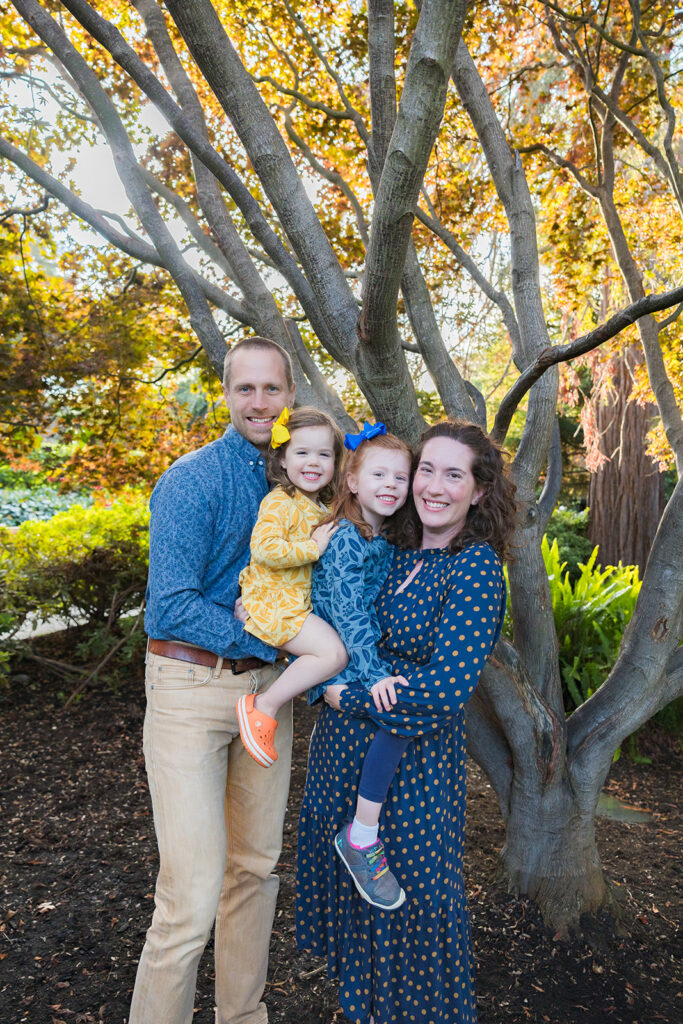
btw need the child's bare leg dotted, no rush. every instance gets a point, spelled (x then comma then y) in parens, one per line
(367, 812)
(320, 655)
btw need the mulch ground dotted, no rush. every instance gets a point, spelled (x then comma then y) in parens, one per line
(78, 863)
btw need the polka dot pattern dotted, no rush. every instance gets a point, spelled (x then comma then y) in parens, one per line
(415, 963)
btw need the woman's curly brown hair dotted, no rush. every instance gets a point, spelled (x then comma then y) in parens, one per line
(306, 416)
(494, 518)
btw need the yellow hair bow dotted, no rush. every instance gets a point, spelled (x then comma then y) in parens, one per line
(278, 432)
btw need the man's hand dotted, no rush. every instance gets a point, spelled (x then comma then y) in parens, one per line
(240, 612)
(322, 534)
(384, 692)
(331, 696)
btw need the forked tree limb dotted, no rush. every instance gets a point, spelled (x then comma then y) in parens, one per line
(126, 57)
(648, 672)
(580, 346)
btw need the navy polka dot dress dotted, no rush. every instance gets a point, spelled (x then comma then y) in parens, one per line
(414, 963)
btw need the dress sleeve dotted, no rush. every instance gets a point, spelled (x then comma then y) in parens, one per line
(465, 636)
(351, 615)
(270, 543)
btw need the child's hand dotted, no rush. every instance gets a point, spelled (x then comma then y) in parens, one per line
(322, 534)
(332, 695)
(240, 612)
(384, 692)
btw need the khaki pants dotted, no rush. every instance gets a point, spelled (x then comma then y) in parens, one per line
(218, 817)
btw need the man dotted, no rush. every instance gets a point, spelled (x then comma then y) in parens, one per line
(218, 815)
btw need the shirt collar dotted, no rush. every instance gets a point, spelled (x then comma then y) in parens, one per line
(245, 450)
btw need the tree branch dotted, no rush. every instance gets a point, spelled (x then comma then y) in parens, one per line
(586, 343)
(443, 371)
(663, 324)
(127, 166)
(184, 211)
(553, 480)
(467, 263)
(641, 139)
(669, 112)
(648, 672)
(129, 243)
(419, 116)
(487, 745)
(332, 176)
(325, 395)
(109, 37)
(534, 732)
(587, 21)
(348, 106)
(535, 634)
(219, 62)
(381, 53)
(25, 211)
(379, 354)
(560, 161)
(232, 253)
(307, 101)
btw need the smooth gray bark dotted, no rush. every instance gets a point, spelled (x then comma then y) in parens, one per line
(219, 62)
(109, 36)
(417, 122)
(535, 635)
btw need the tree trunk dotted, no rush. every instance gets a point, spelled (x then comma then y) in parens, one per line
(550, 855)
(625, 492)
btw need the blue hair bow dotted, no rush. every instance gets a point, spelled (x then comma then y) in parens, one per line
(351, 441)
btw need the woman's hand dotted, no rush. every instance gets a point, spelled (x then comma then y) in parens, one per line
(332, 695)
(240, 612)
(384, 692)
(322, 534)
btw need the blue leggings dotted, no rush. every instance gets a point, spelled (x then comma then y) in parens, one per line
(380, 764)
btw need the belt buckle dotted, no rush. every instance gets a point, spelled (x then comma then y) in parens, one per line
(233, 666)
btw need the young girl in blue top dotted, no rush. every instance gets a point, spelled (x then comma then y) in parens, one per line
(355, 562)
(346, 583)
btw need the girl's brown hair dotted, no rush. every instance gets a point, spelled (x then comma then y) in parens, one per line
(306, 416)
(494, 518)
(345, 504)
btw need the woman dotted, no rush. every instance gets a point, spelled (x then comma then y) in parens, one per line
(440, 613)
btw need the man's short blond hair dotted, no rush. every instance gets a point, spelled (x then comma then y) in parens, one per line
(258, 343)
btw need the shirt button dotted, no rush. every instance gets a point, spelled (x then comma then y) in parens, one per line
(251, 462)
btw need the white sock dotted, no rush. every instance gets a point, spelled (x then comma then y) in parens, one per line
(362, 835)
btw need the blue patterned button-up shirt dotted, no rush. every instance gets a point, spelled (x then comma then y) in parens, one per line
(202, 512)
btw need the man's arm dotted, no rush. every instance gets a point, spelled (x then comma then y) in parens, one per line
(181, 542)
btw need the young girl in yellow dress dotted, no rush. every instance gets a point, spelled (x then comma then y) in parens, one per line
(304, 460)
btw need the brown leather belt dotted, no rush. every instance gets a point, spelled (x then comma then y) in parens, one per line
(198, 656)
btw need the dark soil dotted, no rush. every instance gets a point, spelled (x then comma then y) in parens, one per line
(78, 863)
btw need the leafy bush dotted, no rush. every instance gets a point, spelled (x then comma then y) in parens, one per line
(591, 615)
(20, 504)
(569, 527)
(85, 564)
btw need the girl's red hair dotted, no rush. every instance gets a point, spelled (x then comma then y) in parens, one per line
(345, 504)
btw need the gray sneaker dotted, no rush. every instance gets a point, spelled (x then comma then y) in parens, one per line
(370, 872)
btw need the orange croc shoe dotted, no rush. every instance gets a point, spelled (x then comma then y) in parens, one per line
(257, 731)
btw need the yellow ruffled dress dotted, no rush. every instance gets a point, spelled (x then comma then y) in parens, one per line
(276, 585)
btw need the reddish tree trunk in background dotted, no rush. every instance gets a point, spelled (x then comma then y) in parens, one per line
(625, 492)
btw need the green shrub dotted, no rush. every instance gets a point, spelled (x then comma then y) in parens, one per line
(21, 504)
(569, 527)
(591, 615)
(85, 564)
